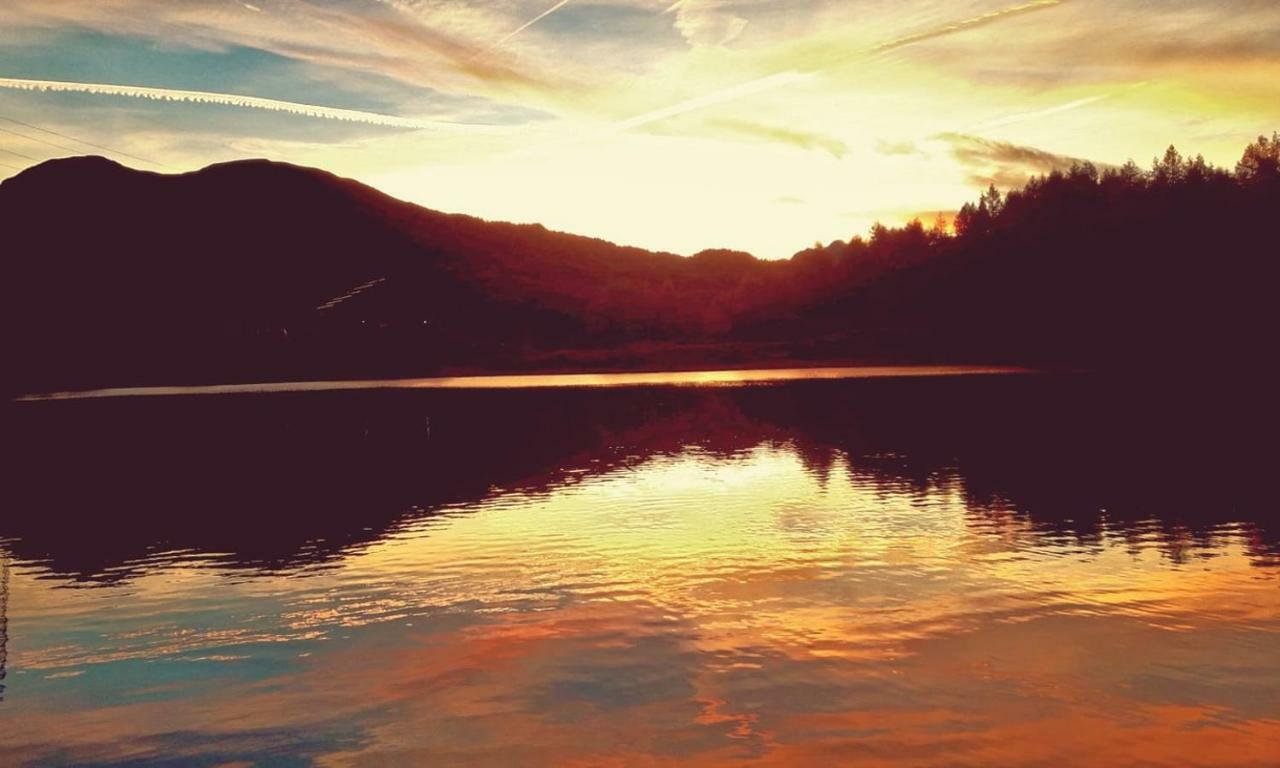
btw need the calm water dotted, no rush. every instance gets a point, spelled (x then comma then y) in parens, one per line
(947, 571)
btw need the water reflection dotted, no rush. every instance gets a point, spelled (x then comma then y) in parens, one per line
(278, 482)
(4, 619)
(979, 571)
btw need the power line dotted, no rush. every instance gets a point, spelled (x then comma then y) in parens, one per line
(78, 141)
(19, 154)
(40, 141)
(72, 138)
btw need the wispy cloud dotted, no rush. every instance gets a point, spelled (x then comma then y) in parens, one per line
(715, 86)
(1003, 163)
(784, 135)
(706, 22)
(235, 100)
(425, 44)
(899, 147)
(791, 77)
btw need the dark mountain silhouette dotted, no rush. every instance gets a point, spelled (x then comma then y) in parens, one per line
(259, 270)
(256, 270)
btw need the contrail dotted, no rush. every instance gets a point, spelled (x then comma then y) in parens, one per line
(1070, 105)
(234, 100)
(770, 82)
(711, 99)
(530, 23)
(965, 25)
(1024, 116)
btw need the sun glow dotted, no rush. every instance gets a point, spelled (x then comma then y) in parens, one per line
(756, 126)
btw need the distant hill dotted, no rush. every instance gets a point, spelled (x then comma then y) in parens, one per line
(254, 269)
(1172, 267)
(259, 270)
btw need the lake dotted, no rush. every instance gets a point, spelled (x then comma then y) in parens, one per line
(899, 571)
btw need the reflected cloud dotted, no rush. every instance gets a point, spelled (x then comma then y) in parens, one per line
(895, 572)
(288, 467)
(4, 618)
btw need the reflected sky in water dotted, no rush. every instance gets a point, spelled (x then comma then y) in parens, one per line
(933, 573)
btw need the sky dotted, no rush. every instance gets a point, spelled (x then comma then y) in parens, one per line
(760, 125)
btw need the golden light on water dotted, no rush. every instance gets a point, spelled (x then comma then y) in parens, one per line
(698, 608)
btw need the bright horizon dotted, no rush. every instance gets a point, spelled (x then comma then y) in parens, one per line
(760, 125)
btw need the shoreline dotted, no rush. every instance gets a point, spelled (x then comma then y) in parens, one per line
(541, 380)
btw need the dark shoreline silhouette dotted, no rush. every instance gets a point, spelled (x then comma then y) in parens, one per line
(259, 271)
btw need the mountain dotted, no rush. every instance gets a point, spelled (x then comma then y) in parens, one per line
(260, 269)
(265, 271)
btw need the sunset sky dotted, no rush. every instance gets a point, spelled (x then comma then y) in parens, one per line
(763, 125)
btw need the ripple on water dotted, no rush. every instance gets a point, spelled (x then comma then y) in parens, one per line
(702, 603)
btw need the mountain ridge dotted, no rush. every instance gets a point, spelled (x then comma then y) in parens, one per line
(258, 270)
(278, 241)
